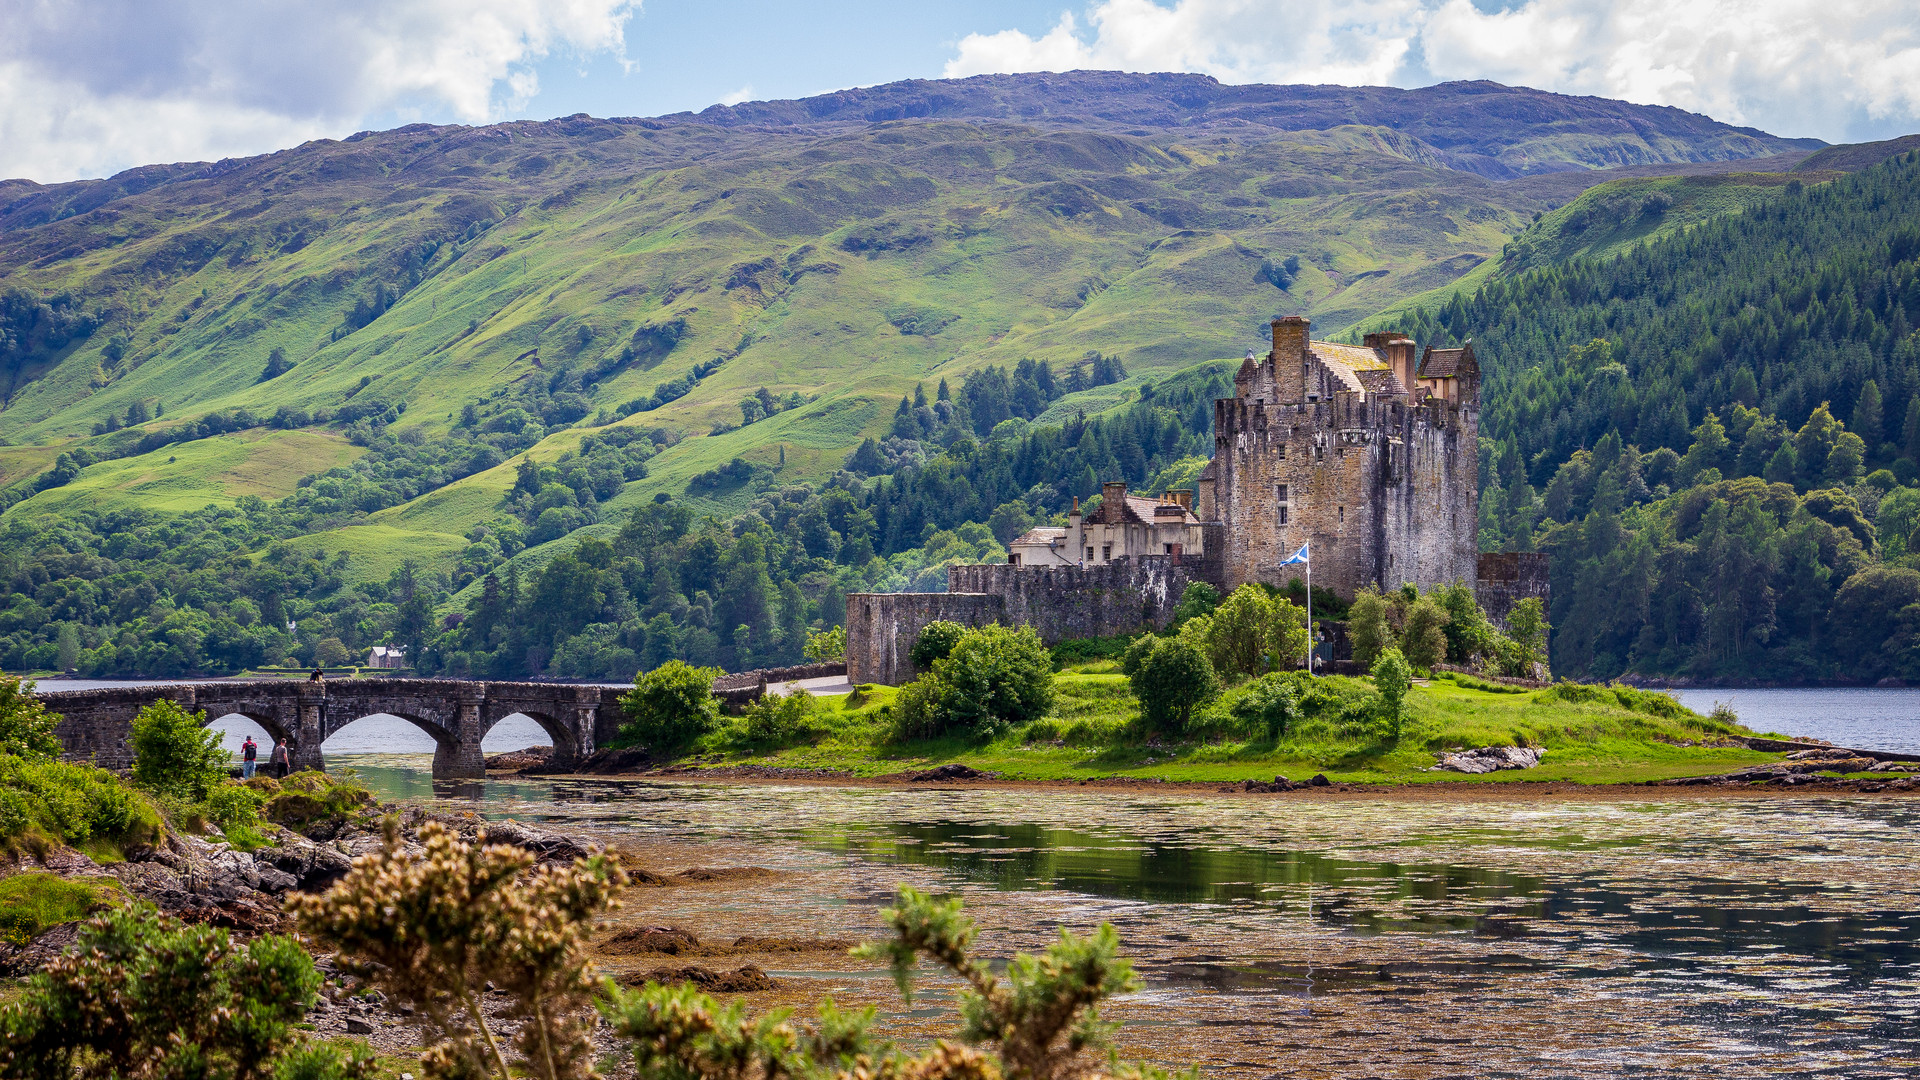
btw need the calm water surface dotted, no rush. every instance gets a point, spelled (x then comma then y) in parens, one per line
(1378, 937)
(1866, 718)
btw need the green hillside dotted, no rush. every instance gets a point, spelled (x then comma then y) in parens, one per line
(1716, 433)
(450, 352)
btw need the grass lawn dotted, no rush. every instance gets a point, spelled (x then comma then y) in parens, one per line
(1093, 733)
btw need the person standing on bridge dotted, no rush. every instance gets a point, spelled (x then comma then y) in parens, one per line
(279, 759)
(247, 751)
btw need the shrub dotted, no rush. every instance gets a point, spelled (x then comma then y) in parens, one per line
(144, 996)
(1199, 599)
(309, 796)
(71, 803)
(919, 710)
(1040, 1017)
(1083, 650)
(996, 676)
(825, 646)
(1424, 641)
(670, 706)
(1530, 628)
(437, 930)
(1367, 627)
(174, 753)
(1170, 679)
(935, 642)
(1252, 632)
(781, 718)
(1392, 677)
(993, 677)
(234, 806)
(26, 727)
(1267, 706)
(1469, 634)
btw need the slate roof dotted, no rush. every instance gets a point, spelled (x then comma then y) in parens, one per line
(1448, 363)
(1042, 536)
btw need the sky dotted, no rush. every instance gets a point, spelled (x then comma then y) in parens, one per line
(91, 87)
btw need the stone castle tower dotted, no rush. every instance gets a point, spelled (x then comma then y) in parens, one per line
(1359, 450)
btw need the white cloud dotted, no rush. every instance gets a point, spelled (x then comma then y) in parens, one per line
(1832, 68)
(745, 93)
(90, 86)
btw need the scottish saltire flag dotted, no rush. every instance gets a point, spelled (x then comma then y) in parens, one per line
(1297, 557)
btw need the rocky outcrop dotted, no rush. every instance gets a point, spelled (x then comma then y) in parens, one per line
(1490, 759)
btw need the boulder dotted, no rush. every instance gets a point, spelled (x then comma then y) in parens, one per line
(1490, 759)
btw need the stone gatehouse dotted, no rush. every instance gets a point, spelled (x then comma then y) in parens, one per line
(1366, 454)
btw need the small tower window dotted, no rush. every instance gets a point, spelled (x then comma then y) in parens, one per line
(1283, 451)
(1281, 490)
(1343, 514)
(1283, 513)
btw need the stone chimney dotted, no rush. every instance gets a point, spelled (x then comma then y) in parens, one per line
(1399, 350)
(1289, 358)
(1113, 502)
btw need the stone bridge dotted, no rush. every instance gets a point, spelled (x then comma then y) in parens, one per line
(97, 725)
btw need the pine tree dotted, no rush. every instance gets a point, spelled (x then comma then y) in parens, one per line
(1868, 417)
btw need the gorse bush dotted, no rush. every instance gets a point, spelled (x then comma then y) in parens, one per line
(438, 930)
(144, 996)
(1039, 1020)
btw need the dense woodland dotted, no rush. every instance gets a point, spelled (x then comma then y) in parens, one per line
(1716, 437)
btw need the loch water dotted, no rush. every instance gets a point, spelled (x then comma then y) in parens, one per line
(1373, 936)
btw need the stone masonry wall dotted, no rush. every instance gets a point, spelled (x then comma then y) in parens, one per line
(882, 627)
(1386, 492)
(1506, 578)
(1124, 596)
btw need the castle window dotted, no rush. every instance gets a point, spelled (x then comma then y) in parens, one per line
(1343, 514)
(1106, 552)
(1168, 547)
(1283, 513)
(1013, 560)
(1283, 451)
(1282, 492)
(1089, 554)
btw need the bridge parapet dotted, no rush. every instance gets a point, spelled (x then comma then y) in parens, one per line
(97, 725)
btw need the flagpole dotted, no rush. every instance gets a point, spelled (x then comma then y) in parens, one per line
(1309, 545)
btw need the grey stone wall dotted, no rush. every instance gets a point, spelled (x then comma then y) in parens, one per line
(1505, 578)
(1124, 596)
(1060, 602)
(882, 627)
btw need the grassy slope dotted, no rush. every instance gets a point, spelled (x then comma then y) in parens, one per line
(188, 476)
(1587, 743)
(798, 254)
